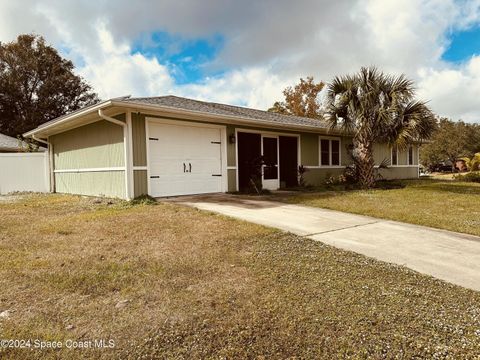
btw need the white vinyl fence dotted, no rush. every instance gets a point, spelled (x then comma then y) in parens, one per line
(24, 172)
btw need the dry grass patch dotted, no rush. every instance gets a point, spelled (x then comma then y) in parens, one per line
(173, 282)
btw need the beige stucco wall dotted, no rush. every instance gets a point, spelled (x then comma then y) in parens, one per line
(231, 154)
(317, 176)
(410, 172)
(309, 149)
(232, 180)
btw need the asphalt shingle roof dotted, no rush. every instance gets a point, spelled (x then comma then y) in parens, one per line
(229, 110)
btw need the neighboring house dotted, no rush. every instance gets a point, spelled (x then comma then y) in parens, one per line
(10, 144)
(165, 146)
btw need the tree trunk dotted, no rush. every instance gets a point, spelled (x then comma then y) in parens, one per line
(364, 162)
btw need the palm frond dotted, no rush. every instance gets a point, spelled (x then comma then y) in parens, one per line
(380, 106)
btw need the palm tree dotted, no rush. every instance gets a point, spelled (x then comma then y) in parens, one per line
(375, 107)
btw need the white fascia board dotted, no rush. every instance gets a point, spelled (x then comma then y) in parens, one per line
(69, 117)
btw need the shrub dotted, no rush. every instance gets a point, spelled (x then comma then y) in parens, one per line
(475, 162)
(470, 177)
(350, 174)
(144, 200)
(467, 162)
(301, 176)
(335, 180)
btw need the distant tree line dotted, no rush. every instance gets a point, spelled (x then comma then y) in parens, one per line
(452, 141)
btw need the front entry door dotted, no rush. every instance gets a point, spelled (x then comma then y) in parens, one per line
(270, 178)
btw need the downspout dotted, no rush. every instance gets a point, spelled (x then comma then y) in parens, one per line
(126, 147)
(40, 140)
(108, 118)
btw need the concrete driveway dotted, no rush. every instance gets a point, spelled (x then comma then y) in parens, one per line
(446, 255)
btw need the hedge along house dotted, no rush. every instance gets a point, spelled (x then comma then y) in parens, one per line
(166, 146)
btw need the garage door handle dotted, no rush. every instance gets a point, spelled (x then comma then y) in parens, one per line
(189, 167)
(184, 167)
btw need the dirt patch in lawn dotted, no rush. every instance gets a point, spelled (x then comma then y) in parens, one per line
(174, 282)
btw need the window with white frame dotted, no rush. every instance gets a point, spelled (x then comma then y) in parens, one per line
(329, 151)
(410, 155)
(394, 156)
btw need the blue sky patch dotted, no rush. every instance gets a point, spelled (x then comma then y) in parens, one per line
(186, 58)
(464, 45)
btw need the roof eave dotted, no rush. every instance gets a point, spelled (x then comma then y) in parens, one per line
(68, 117)
(227, 119)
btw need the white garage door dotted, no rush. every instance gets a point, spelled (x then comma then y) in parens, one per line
(184, 160)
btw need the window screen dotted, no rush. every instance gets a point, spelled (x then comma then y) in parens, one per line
(335, 152)
(270, 156)
(410, 155)
(325, 152)
(394, 156)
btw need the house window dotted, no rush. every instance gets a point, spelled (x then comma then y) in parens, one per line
(329, 152)
(410, 155)
(325, 152)
(394, 156)
(335, 144)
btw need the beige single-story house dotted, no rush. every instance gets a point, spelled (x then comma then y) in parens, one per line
(166, 146)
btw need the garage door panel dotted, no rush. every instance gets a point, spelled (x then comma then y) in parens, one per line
(199, 185)
(204, 166)
(167, 167)
(169, 186)
(198, 148)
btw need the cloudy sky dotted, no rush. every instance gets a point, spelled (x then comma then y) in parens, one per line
(246, 52)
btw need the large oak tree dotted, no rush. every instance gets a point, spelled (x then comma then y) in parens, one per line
(37, 85)
(301, 100)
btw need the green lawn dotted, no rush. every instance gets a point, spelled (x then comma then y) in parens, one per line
(441, 204)
(165, 281)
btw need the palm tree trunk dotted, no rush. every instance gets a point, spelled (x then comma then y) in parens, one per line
(364, 162)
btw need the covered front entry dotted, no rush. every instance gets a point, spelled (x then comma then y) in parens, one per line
(269, 159)
(184, 159)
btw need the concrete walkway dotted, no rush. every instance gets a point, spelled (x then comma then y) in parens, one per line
(446, 255)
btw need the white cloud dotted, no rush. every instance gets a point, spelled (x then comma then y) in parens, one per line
(268, 44)
(254, 87)
(453, 92)
(118, 72)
